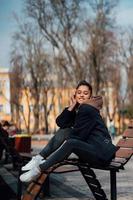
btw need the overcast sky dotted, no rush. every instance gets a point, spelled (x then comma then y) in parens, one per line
(7, 24)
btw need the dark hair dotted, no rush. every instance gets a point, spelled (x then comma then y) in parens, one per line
(6, 123)
(83, 82)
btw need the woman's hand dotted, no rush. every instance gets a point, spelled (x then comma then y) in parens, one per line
(73, 103)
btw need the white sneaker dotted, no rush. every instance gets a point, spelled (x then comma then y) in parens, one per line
(34, 162)
(30, 175)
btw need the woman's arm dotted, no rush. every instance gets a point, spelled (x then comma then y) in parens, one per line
(66, 118)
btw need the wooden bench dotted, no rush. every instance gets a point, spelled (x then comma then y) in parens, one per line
(123, 155)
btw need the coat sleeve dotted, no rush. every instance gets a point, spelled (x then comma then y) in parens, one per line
(66, 118)
(85, 121)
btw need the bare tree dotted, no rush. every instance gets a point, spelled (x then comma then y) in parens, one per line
(36, 68)
(60, 23)
(126, 58)
(16, 87)
(101, 41)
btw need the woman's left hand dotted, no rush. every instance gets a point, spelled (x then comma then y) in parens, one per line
(73, 103)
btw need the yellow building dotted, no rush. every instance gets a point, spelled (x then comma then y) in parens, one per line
(5, 107)
(57, 100)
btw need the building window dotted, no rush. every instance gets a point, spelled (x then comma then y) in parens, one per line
(1, 108)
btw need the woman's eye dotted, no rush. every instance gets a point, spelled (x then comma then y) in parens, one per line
(85, 93)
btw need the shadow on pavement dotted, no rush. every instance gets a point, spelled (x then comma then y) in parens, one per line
(5, 192)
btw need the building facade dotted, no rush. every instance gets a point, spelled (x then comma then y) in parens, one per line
(5, 106)
(22, 115)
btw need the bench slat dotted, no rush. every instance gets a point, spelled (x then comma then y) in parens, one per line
(33, 188)
(27, 197)
(64, 169)
(125, 143)
(120, 160)
(128, 133)
(124, 153)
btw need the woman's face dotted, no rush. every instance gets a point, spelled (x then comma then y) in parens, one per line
(82, 94)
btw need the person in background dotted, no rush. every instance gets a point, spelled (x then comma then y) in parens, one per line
(88, 136)
(6, 125)
(3, 138)
(112, 129)
(10, 128)
(5, 144)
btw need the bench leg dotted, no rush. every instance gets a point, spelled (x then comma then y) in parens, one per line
(113, 185)
(93, 183)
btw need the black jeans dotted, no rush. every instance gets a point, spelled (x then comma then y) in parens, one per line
(56, 141)
(84, 151)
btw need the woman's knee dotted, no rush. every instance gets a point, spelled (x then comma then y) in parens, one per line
(62, 134)
(72, 142)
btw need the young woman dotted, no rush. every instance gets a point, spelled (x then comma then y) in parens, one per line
(85, 135)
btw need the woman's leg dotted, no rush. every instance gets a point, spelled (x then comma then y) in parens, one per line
(71, 145)
(85, 152)
(56, 141)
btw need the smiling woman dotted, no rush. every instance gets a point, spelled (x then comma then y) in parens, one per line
(82, 131)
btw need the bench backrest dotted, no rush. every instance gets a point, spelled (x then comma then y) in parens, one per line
(125, 151)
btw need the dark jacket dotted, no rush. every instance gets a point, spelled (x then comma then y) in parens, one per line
(89, 126)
